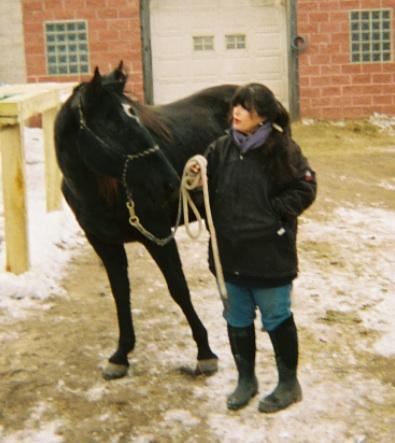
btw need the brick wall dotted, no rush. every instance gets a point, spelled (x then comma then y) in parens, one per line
(114, 35)
(330, 85)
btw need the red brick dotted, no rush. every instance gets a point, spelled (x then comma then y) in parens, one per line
(381, 78)
(96, 4)
(330, 5)
(107, 13)
(351, 4)
(382, 99)
(372, 67)
(388, 67)
(330, 69)
(351, 68)
(310, 92)
(308, 28)
(353, 90)
(374, 89)
(320, 59)
(53, 4)
(331, 91)
(388, 109)
(338, 17)
(307, 5)
(340, 37)
(330, 27)
(362, 100)
(353, 112)
(341, 80)
(75, 4)
(319, 17)
(321, 101)
(361, 78)
(320, 81)
(108, 35)
(31, 6)
(339, 58)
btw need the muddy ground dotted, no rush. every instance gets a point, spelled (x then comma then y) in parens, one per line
(51, 389)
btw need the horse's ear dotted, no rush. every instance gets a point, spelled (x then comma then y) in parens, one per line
(93, 88)
(96, 79)
(116, 80)
(119, 74)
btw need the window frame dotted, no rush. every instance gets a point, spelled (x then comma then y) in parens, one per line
(204, 39)
(362, 27)
(236, 41)
(53, 40)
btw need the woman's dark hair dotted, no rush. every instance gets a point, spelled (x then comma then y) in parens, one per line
(259, 98)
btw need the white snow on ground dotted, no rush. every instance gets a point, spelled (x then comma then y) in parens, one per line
(43, 431)
(53, 237)
(353, 231)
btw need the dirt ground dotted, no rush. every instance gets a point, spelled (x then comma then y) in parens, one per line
(51, 389)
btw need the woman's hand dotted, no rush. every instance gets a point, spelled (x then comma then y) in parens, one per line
(195, 168)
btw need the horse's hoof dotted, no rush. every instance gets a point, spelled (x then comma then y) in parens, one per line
(113, 370)
(207, 367)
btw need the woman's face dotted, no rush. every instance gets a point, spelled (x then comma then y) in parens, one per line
(245, 121)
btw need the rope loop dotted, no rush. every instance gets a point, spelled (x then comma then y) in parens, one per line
(192, 180)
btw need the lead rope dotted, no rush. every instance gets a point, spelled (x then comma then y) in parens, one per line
(189, 181)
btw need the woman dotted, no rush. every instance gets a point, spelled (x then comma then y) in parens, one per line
(259, 183)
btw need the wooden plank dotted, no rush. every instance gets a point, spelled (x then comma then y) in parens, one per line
(25, 101)
(53, 175)
(14, 192)
(27, 105)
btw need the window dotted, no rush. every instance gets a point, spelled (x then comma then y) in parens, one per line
(235, 41)
(370, 36)
(203, 43)
(67, 47)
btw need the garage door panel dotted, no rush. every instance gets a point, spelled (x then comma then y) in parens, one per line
(174, 24)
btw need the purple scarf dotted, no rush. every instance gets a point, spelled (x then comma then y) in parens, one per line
(251, 141)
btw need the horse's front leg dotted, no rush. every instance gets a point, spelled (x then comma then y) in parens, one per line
(168, 260)
(115, 262)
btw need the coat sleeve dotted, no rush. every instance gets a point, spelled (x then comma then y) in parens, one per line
(300, 193)
(211, 156)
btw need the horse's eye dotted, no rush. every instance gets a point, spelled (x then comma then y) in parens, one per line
(130, 111)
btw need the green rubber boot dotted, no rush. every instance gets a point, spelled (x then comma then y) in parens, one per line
(242, 344)
(288, 391)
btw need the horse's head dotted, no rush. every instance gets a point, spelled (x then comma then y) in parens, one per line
(114, 142)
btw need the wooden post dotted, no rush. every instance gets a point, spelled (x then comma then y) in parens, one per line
(53, 175)
(14, 191)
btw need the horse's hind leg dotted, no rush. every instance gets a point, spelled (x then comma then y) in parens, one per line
(168, 260)
(116, 264)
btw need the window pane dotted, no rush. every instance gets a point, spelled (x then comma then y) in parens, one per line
(235, 41)
(373, 29)
(203, 42)
(67, 48)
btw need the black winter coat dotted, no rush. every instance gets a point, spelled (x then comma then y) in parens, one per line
(255, 200)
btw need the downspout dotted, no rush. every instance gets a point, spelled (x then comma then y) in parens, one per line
(293, 52)
(145, 26)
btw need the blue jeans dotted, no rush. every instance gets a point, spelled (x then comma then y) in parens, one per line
(273, 303)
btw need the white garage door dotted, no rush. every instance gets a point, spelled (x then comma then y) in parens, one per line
(201, 43)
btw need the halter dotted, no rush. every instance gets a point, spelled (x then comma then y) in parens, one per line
(130, 204)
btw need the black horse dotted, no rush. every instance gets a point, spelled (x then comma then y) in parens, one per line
(112, 151)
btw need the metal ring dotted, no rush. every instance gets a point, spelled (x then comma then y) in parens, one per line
(299, 43)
